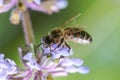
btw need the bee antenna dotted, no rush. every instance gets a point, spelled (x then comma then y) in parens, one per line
(71, 19)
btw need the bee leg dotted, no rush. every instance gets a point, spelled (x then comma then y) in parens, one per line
(50, 48)
(62, 40)
(38, 45)
(67, 45)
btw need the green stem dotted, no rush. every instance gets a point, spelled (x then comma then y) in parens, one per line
(27, 28)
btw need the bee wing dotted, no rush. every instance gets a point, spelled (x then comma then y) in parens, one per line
(72, 19)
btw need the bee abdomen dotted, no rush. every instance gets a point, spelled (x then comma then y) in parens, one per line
(82, 37)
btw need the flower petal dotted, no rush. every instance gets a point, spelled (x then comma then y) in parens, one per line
(1, 57)
(59, 74)
(83, 70)
(77, 62)
(71, 69)
(6, 6)
(62, 4)
(38, 2)
(28, 56)
(7, 67)
(47, 6)
(66, 62)
(32, 62)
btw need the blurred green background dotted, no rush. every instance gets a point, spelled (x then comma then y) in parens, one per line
(102, 21)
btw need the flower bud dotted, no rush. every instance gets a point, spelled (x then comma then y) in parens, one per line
(15, 16)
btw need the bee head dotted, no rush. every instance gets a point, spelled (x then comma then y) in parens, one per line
(56, 33)
(47, 40)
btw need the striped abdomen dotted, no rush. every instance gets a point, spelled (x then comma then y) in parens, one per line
(77, 35)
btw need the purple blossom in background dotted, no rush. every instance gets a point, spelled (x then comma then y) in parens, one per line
(6, 5)
(46, 6)
(7, 68)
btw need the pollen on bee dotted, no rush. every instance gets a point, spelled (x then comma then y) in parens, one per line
(15, 17)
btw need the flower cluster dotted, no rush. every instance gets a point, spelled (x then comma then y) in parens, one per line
(46, 6)
(7, 68)
(61, 51)
(43, 67)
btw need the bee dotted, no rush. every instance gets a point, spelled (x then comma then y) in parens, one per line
(61, 36)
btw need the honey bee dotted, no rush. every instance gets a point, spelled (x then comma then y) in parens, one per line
(60, 36)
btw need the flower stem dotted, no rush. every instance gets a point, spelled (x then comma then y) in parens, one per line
(27, 28)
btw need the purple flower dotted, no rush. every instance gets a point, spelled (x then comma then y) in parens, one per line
(63, 67)
(73, 65)
(6, 5)
(46, 6)
(7, 68)
(32, 62)
(46, 68)
(42, 66)
(56, 53)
